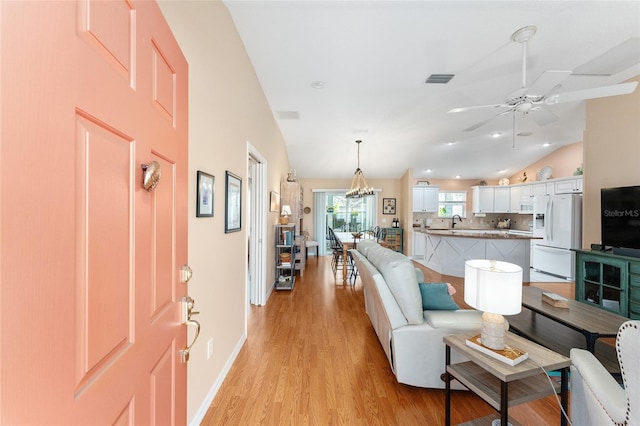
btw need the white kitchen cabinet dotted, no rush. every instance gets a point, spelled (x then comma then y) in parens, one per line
(419, 245)
(502, 199)
(425, 198)
(483, 197)
(543, 188)
(568, 186)
(516, 195)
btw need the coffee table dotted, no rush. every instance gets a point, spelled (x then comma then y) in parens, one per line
(502, 385)
(560, 329)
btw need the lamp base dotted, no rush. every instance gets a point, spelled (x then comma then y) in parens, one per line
(284, 220)
(493, 330)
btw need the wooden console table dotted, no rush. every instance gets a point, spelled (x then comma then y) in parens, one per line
(560, 328)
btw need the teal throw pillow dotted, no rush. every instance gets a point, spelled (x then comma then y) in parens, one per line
(436, 297)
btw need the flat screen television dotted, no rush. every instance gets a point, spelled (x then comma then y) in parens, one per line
(621, 217)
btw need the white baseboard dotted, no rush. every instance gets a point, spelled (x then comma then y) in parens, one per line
(202, 411)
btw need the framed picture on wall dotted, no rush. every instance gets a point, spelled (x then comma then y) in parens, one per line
(233, 203)
(204, 195)
(274, 202)
(388, 206)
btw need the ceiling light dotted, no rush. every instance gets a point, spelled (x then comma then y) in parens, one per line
(546, 144)
(317, 84)
(428, 170)
(450, 143)
(359, 187)
(502, 171)
(496, 135)
(458, 176)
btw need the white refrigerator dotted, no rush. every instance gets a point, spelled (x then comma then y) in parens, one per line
(557, 220)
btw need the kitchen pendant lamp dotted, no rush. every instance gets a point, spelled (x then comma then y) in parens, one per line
(359, 187)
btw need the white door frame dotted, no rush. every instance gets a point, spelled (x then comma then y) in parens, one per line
(256, 287)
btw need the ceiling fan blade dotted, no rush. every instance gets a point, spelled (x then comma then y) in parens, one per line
(477, 125)
(543, 116)
(598, 92)
(471, 108)
(546, 82)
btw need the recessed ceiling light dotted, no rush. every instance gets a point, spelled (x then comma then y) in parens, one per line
(546, 144)
(502, 170)
(496, 135)
(457, 176)
(428, 170)
(317, 84)
(450, 143)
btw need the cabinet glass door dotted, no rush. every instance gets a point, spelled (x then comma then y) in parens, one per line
(603, 283)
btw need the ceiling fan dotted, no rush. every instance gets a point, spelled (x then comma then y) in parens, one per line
(541, 92)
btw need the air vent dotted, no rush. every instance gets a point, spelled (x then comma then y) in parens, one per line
(439, 78)
(288, 115)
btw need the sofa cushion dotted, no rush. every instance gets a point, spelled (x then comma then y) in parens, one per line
(363, 246)
(461, 320)
(435, 296)
(400, 276)
(379, 255)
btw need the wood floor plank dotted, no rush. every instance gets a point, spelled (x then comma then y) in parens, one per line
(312, 358)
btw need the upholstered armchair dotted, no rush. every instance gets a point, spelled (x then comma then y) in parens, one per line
(596, 397)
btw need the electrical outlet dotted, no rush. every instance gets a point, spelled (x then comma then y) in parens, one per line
(210, 348)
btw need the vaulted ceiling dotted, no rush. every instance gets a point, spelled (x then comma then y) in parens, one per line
(335, 72)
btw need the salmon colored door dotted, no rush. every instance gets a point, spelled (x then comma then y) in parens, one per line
(90, 290)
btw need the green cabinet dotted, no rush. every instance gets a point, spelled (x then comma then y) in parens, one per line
(608, 281)
(393, 239)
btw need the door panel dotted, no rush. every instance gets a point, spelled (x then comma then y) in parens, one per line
(163, 237)
(90, 291)
(104, 246)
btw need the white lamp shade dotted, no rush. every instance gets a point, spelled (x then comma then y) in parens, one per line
(286, 210)
(493, 286)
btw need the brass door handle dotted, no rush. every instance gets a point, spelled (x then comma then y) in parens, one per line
(185, 352)
(187, 311)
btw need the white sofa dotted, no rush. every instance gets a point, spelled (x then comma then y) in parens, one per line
(410, 336)
(596, 397)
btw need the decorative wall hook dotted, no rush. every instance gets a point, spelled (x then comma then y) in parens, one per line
(151, 175)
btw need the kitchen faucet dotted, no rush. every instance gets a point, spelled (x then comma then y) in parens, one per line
(453, 220)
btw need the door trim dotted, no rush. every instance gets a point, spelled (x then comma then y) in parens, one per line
(258, 217)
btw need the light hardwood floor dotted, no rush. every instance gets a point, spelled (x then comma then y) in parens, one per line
(312, 358)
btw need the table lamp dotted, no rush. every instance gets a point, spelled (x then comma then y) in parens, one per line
(494, 287)
(286, 211)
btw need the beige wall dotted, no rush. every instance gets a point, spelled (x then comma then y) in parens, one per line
(611, 154)
(227, 109)
(563, 162)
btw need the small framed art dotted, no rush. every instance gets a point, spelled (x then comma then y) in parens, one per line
(204, 195)
(388, 206)
(233, 203)
(274, 202)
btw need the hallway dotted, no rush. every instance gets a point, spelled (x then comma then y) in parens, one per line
(312, 358)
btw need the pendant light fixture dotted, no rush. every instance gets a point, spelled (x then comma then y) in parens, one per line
(359, 187)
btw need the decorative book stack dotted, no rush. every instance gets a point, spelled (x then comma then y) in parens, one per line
(555, 300)
(508, 355)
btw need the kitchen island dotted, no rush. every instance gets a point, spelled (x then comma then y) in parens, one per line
(446, 250)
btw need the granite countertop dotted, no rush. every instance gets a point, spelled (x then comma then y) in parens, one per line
(477, 233)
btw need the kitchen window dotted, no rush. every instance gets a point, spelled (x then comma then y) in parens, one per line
(451, 203)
